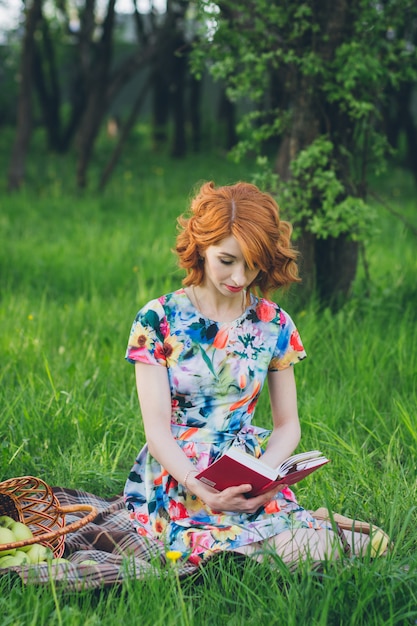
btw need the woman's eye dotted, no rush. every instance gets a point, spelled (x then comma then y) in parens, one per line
(224, 262)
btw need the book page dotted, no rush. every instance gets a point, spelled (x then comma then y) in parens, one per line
(252, 462)
(297, 459)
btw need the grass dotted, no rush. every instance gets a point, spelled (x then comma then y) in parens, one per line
(74, 271)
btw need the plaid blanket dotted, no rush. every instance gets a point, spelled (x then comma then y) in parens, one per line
(109, 540)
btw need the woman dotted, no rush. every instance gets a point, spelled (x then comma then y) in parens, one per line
(202, 355)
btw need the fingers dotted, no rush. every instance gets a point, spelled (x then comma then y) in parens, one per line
(263, 499)
(258, 501)
(238, 490)
(234, 500)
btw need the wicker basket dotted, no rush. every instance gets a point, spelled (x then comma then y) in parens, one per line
(31, 501)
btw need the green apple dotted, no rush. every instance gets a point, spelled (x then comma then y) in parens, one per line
(8, 561)
(21, 531)
(20, 558)
(6, 521)
(38, 553)
(6, 536)
(21, 554)
(88, 562)
(60, 564)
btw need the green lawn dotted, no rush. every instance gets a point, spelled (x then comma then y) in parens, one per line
(74, 271)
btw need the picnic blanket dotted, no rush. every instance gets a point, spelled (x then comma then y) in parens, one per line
(109, 540)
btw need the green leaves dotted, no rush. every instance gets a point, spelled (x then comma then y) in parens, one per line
(315, 198)
(316, 79)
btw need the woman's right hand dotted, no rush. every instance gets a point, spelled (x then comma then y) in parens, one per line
(232, 499)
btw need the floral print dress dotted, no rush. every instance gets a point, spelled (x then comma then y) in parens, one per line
(216, 372)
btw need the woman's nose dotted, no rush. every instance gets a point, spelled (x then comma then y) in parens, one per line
(238, 275)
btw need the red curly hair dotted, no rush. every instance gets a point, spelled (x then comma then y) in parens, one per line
(252, 217)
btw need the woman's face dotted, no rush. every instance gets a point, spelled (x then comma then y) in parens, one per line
(225, 268)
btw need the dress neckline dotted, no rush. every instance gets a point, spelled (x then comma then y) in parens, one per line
(209, 319)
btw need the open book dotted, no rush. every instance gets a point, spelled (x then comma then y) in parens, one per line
(236, 467)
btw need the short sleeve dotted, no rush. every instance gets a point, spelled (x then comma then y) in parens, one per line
(146, 337)
(289, 348)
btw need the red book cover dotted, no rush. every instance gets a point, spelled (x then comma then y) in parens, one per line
(236, 467)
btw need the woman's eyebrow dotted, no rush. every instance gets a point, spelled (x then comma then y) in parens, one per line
(232, 256)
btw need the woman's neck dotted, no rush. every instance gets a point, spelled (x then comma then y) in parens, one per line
(218, 308)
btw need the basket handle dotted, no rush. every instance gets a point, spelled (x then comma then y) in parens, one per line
(62, 531)
(75, 508)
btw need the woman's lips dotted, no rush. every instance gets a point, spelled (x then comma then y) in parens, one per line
(234, 289)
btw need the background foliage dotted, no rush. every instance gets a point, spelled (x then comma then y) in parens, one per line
(317, 94)
(322, 79)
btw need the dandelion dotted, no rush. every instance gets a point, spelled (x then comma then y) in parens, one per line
(173, 555)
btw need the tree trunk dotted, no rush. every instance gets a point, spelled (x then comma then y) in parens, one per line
(97, 99)
(407, 124)
(306, 264)
(336, 261)
(160, 109)
(328, 266)
(127, 127)
(227, 116)
(303, 131)
(179, 68)
(47, 85)
(24, 120)
(195, 113)
(80, 79)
